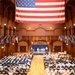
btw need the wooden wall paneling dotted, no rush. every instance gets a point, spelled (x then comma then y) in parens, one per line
(11, 48)
(51, 47)
(1, 53)
(6, 50)
(0, 30)
(16, 47)
(73, 52)
(55, 38)
(5, 30)
(9, 30)
(68, 48)
(64, 47)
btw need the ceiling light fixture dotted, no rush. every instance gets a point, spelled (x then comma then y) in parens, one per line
(50, 27)
(29, 27)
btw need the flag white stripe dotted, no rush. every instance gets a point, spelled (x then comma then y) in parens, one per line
(50, 3)
(40, 19)
(40, 9)
(40, 14)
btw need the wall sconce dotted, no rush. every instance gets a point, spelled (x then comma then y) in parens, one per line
(13, 44)
(32, 42)
(74, 24)
(66, 43)
(48, 43)
(5, 24)
(14, 27)
(64, 27)
(2, 47)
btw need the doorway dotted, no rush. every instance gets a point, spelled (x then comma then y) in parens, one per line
(57, 48)
(22, 48)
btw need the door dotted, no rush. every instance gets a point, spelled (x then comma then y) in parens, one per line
(57, 48)
(22, 48)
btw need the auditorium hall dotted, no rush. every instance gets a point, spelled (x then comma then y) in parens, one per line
(37, 37)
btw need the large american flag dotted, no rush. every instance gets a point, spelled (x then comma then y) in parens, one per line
(40, 11)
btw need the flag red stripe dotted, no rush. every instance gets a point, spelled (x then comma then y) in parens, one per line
(49, 0)
(27, 11)
(40, 16)
(31, 22)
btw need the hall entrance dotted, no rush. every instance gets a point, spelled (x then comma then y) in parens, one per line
(22, 48)
(57, 48)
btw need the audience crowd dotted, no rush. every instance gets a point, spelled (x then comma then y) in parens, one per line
(56, 64)
(16, 64)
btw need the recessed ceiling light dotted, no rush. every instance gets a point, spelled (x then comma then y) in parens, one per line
(64, 27)
(29, 27)
(50, 27)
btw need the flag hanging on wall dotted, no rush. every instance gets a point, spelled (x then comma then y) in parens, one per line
(40, 11)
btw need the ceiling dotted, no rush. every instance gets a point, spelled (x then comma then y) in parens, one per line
(8, 9)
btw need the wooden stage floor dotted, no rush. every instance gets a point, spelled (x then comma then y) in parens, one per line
(37, 66)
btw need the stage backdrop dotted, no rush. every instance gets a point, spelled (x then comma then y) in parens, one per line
(40, 47)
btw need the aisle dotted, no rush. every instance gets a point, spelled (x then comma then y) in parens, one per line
(37, 66)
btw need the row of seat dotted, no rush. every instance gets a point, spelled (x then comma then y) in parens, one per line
(59, 64)
(16, 64)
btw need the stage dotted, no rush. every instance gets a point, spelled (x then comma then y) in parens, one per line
(38, 53)
(39, 49)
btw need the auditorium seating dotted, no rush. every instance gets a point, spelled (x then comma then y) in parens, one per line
(59, 65)
(15, 64)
